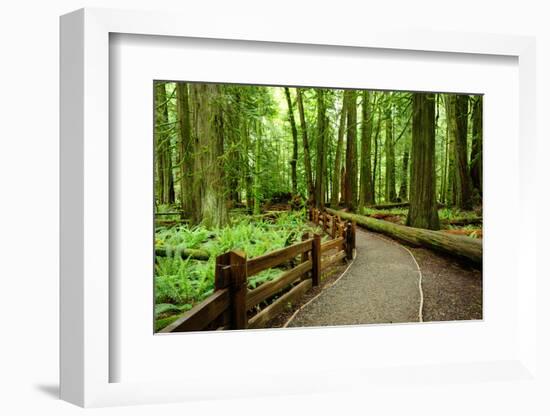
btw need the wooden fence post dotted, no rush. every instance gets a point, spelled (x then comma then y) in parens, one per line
(305, 255)
(222, 280)
(316, 260)
(238, 289)
(347, 239)
(333, 227)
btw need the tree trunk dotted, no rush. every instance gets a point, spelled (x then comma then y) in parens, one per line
(450, 195)
(209, 169)
(294, 160)
(247, 168)
(366, 188)
(403, 194)
(465, 248)
(376, 156)
(476, 155)
(320, 160)
(186, 150)
(166, 193)
(458, 122)
(351, 152)
(335, 196)
(390, 157)
(307, 158)
(258, 150)
(423, 204)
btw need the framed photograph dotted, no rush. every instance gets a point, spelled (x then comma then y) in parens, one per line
(234, 207)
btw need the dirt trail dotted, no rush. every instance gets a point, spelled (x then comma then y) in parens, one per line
(381, 286)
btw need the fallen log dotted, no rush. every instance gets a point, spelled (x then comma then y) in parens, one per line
(185, 253)
(391, 205)
(463, 221)
(456, 245)
(477, 233)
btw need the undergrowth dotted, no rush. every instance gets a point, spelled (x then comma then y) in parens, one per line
(182, 283)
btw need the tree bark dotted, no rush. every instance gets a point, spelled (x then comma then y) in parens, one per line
(335, 196)
(476, 155)
(366, 188)
(403, 188)
(390, 195)
(376, 155)
(258, 149)
(321, 157)
(294, 160)
(209, 169)
(186, 150)
(307, 158)
(351, 151)
(423, 204)
(458, 123)
(465, 248)
(166, 194)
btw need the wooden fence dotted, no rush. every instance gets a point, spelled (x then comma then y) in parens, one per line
(229, 306)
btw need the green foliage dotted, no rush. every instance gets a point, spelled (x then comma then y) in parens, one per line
(455, 213)
(181, 283)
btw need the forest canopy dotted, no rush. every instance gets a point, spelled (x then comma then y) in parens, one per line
(222, 146)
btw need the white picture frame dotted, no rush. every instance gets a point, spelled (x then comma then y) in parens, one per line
(86, 355)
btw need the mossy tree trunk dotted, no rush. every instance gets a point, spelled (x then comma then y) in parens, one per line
(186, 148)
(337, 177)
(366, 187)
(305, 141)
(212, 210)
(389, 149)
(403, 188)
(423, 202)
(476, 155)
(351, 151)
(294, 132)
(458, 124)
(321, 157)
(165, 188)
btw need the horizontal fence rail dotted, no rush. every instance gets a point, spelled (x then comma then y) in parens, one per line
(231, 304)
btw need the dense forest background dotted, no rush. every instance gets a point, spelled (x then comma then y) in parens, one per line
(219, 147)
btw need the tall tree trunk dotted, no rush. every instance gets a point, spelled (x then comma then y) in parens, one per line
(376, 166)
(458, 122)
(390, 157)
(294, 142)
(450, 194)
(307, 158)
(166, 179)
(186, 150)
(423, 203)
(335, 196)
(476, 155)
(257, 171)
(351, 152)
(248, 178)
(445, 147)
(403, 195)
(366, 188)
(209, 169)
(321, 157)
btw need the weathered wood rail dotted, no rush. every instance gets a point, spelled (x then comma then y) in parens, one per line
(232, 303)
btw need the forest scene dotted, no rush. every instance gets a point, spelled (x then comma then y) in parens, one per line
(299, 206)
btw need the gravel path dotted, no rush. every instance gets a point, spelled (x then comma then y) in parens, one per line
(381, 286)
